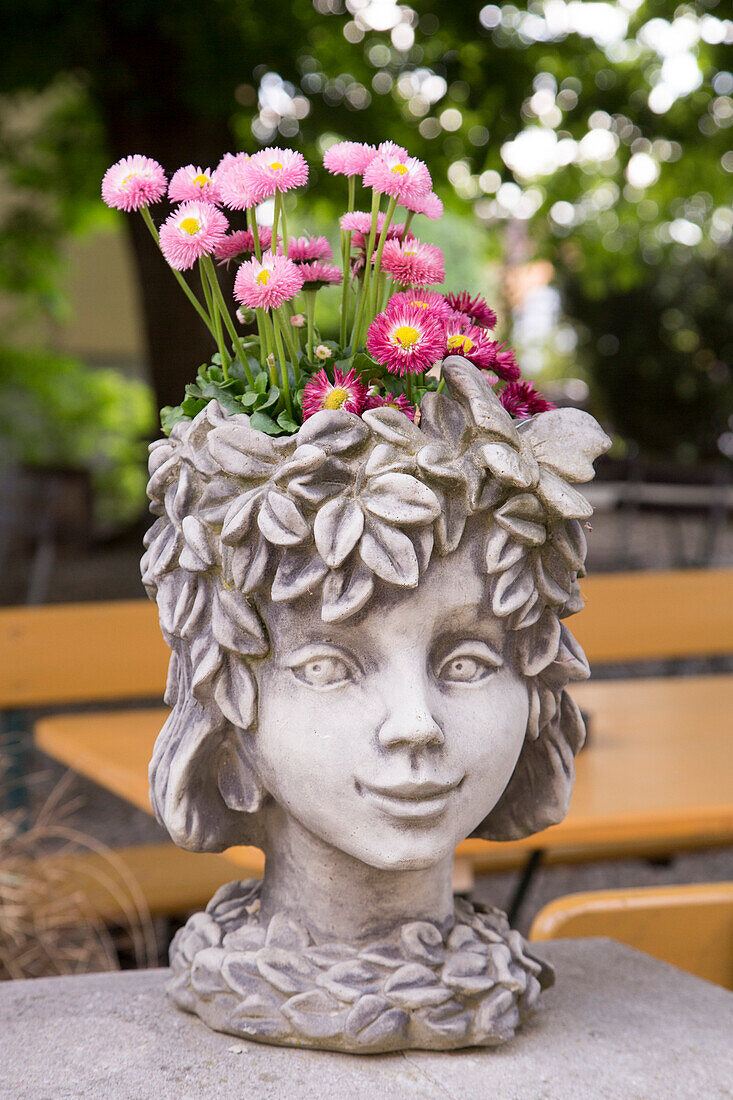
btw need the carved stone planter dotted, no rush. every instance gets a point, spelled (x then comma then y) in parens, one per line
(368, 666)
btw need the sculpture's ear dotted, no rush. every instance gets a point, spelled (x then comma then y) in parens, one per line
(203, 788)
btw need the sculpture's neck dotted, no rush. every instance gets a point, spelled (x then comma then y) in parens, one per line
(338, 897)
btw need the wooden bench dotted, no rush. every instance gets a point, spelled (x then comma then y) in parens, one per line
(655, 777)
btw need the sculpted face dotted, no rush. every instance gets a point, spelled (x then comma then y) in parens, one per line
(393, 734)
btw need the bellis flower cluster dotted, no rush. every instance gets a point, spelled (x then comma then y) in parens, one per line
(271, 359)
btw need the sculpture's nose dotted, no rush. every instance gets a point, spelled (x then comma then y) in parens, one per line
(410, 721)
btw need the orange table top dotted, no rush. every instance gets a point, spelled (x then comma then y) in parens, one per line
(658, 767)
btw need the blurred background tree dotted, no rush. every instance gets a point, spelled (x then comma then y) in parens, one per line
(591, 136)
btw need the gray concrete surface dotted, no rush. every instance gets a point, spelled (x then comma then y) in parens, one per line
(617, 1026)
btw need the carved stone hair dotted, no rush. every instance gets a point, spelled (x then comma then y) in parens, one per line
(345, 505)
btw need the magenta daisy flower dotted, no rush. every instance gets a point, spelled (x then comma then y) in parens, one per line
(195, 229)
(317, 274)
(471, 342)
(403, 178)
(268, 284)
(428, 300)
(346, 391)
(241, 243)
(303, 249)
(272, 171)
(412, 263)
(192, 182)
(522, 400)
(406, 340)
(391, 401)
(429, 205)
(476, 308)
(133, 182)
(348, 158)
(506, 365)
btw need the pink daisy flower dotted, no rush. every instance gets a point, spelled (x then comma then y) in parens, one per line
(133, 182)
(348, 158)
(268, 284)
(429, 205)
(391, 401)
(193, 230)
(303, 249)
(317, 274)
(192, 182)
(428, 300)
(403, 178)
(233, 187)
(391, 149)
(345, 392)
(470, 342)
(272, 171)
(412, 263)
(522, 400)
(476, 308)
(406, 340)
(240, 242)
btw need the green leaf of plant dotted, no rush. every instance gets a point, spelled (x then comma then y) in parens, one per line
(264, 423)
(285, 422)
(262, 381)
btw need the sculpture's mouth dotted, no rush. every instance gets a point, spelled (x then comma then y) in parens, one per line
(411, 800)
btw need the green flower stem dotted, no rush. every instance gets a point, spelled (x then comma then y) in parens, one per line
(310, 310)
(262, 330)
(275, 220)
(345, 257)
(215, 313)
(283, 317)
(252, 223)
(391, 205)
(286, 235)
(408, 223)
(408, 389)
(227, 317)
(441, 385)
(181, 281)
(366, 284)
(283, 367)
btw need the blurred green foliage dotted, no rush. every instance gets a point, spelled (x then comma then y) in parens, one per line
(56, 412)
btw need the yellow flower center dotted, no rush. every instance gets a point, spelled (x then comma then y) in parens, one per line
(459, 342)
(201, 180)
(336, 398)
(129, 177)
(190, 226)
(406, 336)
(276, 166)
(264, 277)
(399, 170)
(417, 303)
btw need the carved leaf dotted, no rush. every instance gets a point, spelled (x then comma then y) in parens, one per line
(443, 419)
(180, 607)
(334, 431)
(467, 974)
(511, 589)
(299, 573)
(529, 613)
(241, 450)
(182, 495)
(281, 521)
(282, 931)
(315, 1014)
(235, 692)
(365, 1012)
(330, 479)
(473, 392)
(326, 954)
(561, 498)
(198, 541)
(199, 610)
(240, 516)
(305, 460)
(349, 980)
(537, 648)
(415, 986)
(337, 529)
(206, 659)
(162, 476)
(386, 458)
(438, 461)
(236, 625)
(550, 589)
(395, 427)
(506, 464)
(423, 540)
(501, 550)
(400, 498)
(241, 974)
(533, 721)
(345, 591)
(389, 553)
(249, 564)
(160, 451)
(215, 500)
(423, 941)
(449, 1020)
(571, 656)
(286, 970)
(161, 555)
(569, 541)
(566, 440)
(523, 517)
(451, 522)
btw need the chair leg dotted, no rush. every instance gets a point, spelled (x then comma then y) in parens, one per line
(525, 881)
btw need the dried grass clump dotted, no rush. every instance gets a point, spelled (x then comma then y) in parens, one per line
(53, 904)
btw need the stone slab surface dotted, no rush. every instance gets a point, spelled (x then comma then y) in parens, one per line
(617, 1025)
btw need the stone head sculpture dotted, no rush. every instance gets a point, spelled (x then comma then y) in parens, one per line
(369, 665)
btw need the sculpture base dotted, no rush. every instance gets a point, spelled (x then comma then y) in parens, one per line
(415, 988)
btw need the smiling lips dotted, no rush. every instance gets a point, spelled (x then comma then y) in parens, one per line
(411, 801)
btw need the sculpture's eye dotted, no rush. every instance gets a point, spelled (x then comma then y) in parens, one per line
(323, 671)
(469, 664)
